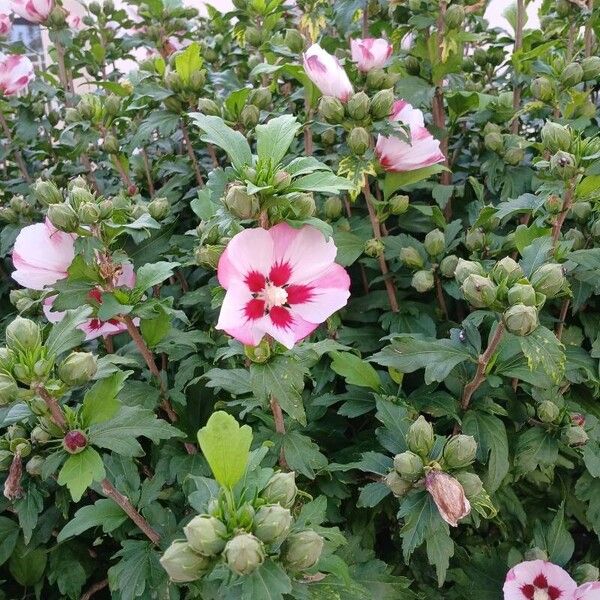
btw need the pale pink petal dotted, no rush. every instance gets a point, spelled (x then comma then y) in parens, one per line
(527, 574)
(289, 336)
(5, 25)
(226, 271)
(16, 72)
(405, 113)
(127, 276)
(588, 591)
(251, 250)
(93, 328)
(326, 73)
(233, 310)
(370, 53)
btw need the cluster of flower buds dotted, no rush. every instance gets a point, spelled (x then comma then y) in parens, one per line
(571, 425)
(99, 111)
(359, 110)
(185, 90)
(506, 289)
(558, 142)
(243, 537)
(17, 210)
(508, 146)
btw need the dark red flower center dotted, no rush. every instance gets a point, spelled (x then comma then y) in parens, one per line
(540, 590)
(75, 441)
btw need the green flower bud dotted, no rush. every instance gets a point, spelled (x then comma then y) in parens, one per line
(80, 194)
(182, 564)
(173, 104)
(253, 36)
(549, 279)
(63, 217)
(245, 515)
(258, 354)
(88, 213)
(358, 106)
(328, 137)
(563, 165)
(90, 108)
(34, 466)
(494, 141)
(595, 229)
(522, 293)
(542, 89)
(555, 137)
(282, 180)
(575, 436)
(293, 40)
(591, 67)
(39, 436)
(423, 281)
(398, 204)
(15, 432)
(435, 242)
(23, 334)
(197, 81)
(95, 8)
(480, 56)
(111, 144)
(448, 265)
(331, 109)
(159, 208)
(244, 554)
(112, 105)
(209, 107)
(411, 257)
(302, 550)
(8, 215)
(260, 97)
(576, 237)
(8, 389)
(374, 248)
(46, 192)
(479, 292)
(358, 140)
(475, 239)
(208, 256)
(281, 489)
(381, 104)
(520, 319)
(21, 447)
(206, 535)
(585, 573)
(514, 156)
(420, 437)
(454, 17)
(571, 75)
(554, 204)
(240, 203)
(376, 79)
(412, 65)
(303, 204)
(408, 465)
(471, 483)
(249, 116)
(581, 211)
(173, 81)
(459, 451)
(272, 523)
(333, 207)
(547, 411)
(78, 368)
(398, 485)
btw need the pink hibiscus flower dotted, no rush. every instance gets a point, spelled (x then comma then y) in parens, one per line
(370, 53)
(588, 591)
(538, 580)
(16, 73)
(282, 282)
(325, 71)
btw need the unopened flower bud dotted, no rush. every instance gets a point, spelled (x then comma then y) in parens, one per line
(555, 137)
(412, 65)
(408, 465)
(571, 75)
(585, 573)
(435, 242)
(260, 97)
(159, 208)
(333, 207)
(358, 106)
(78, 368)
(411, 257)
(448, 495)
(80, 194)
(574, 436)
(34, 466)
(111, 144)
(475, 239)
(8, 389)
(90, 107)
(420, 437)
(554, 204)
(522, 293)
(272, 523)
(328, 137)
(206, 535)
(494, 141)
(397, 485)
(46, 192)
(459, 451)
(249, 116)
(374, 247)
(207, 256)
(547, 411)
(39, 435)
(75, 441)
(240, 203)
(182, 564)
(282, 180)
(209, 107)
(381, 104)
(591, 68)
(479, 292)
(549, 279)
(454, 17)
(542, 89)
(581, 211)
(88, 213)
(514, 156)
(253, 36)
(577, 419)
(302, 550)
(244, 554)
(358, 140)
(331, 109)
(112, 105)
(23, 334)
(281, 489)
(471, 483)
(376, 79)
(520, 319)
(398, 204)
(293, 40)
(535, 553)
(303, 204)
(245, 515)
(258, 354)
(423, 280)
(448, 265)
(63, 217)
(563, 165)
(197, 81)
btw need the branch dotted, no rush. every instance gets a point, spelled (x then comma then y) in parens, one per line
(53, 406)
(521, 18)
(279, 428)
(191, 154)
(560, 219)
(16, 152)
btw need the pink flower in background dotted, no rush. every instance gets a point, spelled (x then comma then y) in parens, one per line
(94, 328)
(5, 25)
(74, 21)
(588, 591)
(538, 580)
(36, 11)
(421, 150)
(282, 282)
(16, 72)
(326, 73)
(370, 53)
(42, 255)
(448, 495)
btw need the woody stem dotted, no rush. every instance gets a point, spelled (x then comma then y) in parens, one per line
(16, 153)
(191, 154)
(279, 428)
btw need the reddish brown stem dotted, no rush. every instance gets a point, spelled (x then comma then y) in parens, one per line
(213, 155)
(365, 21)
(148, 172)
(56, 412)
(482, 364)
(308, 136)
(279, 428)
(561, 319)
(191, 154)
(560, 219)
(439, 292)
(520, 24)
(96, 587)
(15, 152)
(389, 285)
(588, 36)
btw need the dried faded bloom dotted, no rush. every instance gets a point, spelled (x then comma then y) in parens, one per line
(448, 495)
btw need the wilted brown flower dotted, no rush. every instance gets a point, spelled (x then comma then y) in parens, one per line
(448, 495)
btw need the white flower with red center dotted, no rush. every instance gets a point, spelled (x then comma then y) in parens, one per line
(421, 150)
(370, 53)
(538, 580)
(36, 11)
(588, 591)
(16, 72)
(281, 282)
(325, 71)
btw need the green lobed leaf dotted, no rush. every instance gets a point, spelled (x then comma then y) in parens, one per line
(80, 470)
(103, 513)
(355, 370)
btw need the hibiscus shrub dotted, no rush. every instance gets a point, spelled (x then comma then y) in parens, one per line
(299, 302)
